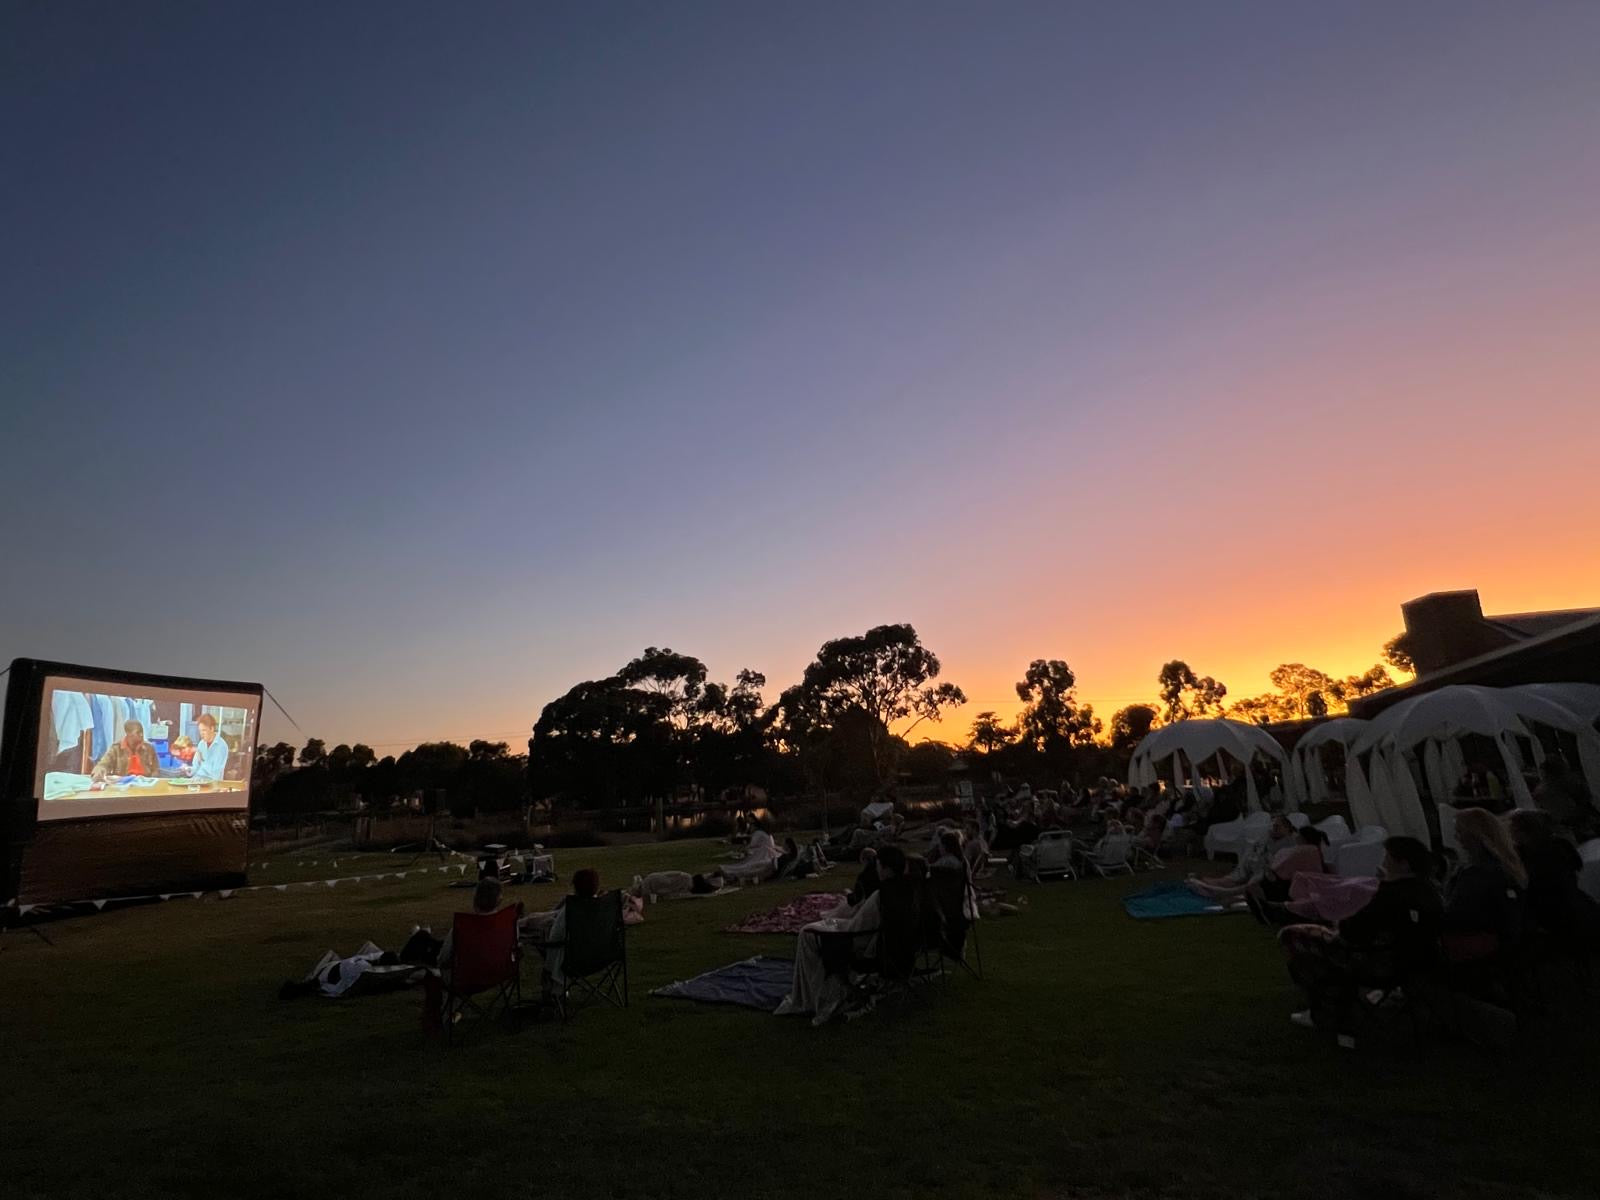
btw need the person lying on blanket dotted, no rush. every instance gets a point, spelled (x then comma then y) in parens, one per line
(812, 990)
(659, 884)
(760, 858)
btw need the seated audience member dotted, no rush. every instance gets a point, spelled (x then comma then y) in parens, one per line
(1563, 797)
(485, 899)
(130, 756)
(705, 885)
(1555, 902)
(976, 852)
(1483, 900)
(1250, 868)
(949, 856)
(1227, 801)
(585, 886)
(788, 859)
(816, 991)
(1385, 943)
(866, 881)
(1268, 895)
(1153, 833)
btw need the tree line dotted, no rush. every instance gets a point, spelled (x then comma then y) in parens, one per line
(661, 727)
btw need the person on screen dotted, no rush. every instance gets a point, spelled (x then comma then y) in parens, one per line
(210, 752)
(130, 756)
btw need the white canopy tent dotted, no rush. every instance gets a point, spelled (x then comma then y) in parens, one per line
(1570, 707)
(1429, 726)
(1306, 760)
(1199, 740)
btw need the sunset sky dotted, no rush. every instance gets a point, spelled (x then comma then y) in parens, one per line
(421, 360)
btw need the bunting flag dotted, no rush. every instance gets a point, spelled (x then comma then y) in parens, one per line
(228, 893)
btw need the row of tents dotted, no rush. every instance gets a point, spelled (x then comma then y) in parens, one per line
(1419, 739)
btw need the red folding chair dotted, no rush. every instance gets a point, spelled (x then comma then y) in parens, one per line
(484, 957)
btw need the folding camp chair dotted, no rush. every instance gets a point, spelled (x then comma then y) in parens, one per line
(951, 890)
(904, 942)
(1110, 855)
(1050, 854)
(484, 958)
(594, 960)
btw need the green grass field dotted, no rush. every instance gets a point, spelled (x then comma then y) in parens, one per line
(147, 1055)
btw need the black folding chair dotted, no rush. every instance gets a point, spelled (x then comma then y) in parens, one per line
(594, 961)
(951, 890)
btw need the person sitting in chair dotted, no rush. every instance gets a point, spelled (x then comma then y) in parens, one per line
(585, 886)
(1395, 935)
(485, 899)
(1483, 900)
(1268, 895)
(948, 856)
(866, 881)
(813, 989)
(1555, 901)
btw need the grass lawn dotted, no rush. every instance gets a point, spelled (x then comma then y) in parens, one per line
(148, 1055)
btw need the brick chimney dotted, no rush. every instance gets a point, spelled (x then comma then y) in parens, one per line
(1444, 628)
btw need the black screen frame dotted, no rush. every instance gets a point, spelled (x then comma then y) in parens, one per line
(19, 805)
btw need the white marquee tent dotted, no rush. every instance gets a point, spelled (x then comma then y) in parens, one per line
(1305, 761)
(1199, 740)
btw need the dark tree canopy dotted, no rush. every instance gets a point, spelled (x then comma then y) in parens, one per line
(1186, 694)
(887, 675)
(1397, 653)
(1052, 717)
(1130, 726)
(989, 733)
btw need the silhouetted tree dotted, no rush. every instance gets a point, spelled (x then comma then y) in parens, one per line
(1052, 718)
(1397, 653)
(1130, 726)
(1186, 694)
(884, 674)
(989, 733)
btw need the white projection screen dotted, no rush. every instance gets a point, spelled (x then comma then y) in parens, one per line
(112, 749)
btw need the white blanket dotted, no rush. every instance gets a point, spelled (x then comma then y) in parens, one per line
(813, 990)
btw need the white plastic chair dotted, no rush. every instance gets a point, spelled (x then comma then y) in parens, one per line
(1361, 855)
(1338, 831)
(1298, 819)
(1111, 854)
(1589, 874)
(1050, 854)
(1232, 837)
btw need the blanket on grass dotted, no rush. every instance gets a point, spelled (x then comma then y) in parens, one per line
(791, 917)
(1173, 900)
(760, 982)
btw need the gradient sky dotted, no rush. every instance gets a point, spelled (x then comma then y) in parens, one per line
(420, 360)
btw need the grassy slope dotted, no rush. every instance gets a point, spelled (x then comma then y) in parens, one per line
(148, 1055)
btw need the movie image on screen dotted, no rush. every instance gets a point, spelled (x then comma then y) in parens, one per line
(107, 751)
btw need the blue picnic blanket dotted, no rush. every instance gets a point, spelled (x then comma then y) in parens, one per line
(760, 982)
(1171, 900)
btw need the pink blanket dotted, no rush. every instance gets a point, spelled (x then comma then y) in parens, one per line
(791, 917)
(1330, 897)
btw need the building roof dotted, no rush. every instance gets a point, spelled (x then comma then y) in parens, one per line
(1537, 624)
(1568, 652)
